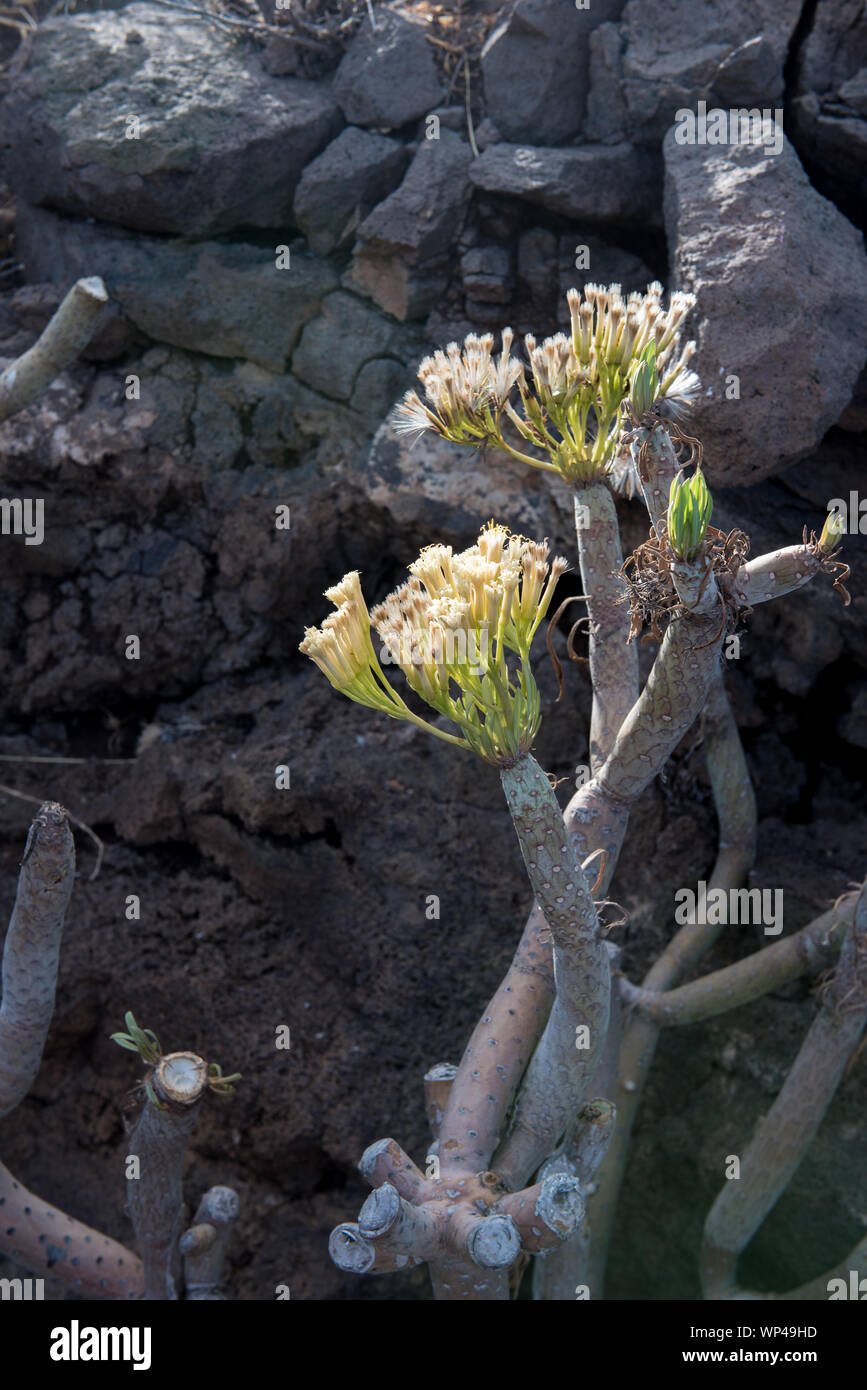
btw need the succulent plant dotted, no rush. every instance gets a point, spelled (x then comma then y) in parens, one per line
(549, 1082)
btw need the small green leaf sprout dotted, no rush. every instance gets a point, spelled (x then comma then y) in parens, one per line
(221, 1085)
(140, 1040)
(153, 1097)
(180, 1076)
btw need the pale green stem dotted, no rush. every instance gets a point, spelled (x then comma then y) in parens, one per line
(432, 728)
(32, 951)
(44, 1240)
(806, 952)
(613, 659)
(61, 341)
(569, 1052)
(155, 1184)
(736, 815)
(784, 1134)
(525, 458)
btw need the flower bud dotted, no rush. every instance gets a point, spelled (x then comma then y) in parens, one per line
(832, 532)
(645, 381)
(689, 510)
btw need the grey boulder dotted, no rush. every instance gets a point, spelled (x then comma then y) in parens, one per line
(208, 297)
(534, 68)
(348, 336)
(344, 183)
(669, 54)
(829, 108)
(402, 257)
(745, 229)
(593, 183)
(156, 121)
(387, 76)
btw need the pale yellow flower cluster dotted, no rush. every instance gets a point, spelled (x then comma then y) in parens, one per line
(342, 647)
(449, 629)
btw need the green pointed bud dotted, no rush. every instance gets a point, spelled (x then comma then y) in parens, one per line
(689, 510)
(141, 1040)
(832, 532)
(645, 381)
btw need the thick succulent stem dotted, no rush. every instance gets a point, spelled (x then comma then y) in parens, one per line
(547, 1213)
(557, 1277)
(61, 341)
(451, 1278)
(777, 573)
(437, 1085)
(784, 1134)
(598, 813)
(656, 464)
(458, 1281)
(613, 659)
(204, 1245)
(47, 1242)
(349, 1250)
(155, 1192)
(671, 700)
(34, 1233)
(400, 1226)
(593, 1133)
(32, 951)
(469, 1230)
(498, 1054)
(467, 1259)
(736, 814)
(571, 1046)
(385, 1161)
(737, 818)
(503, 1042)
(409, 1220)
(806, 952)
(735, 804)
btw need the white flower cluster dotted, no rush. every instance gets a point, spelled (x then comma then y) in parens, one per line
(571, 400)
